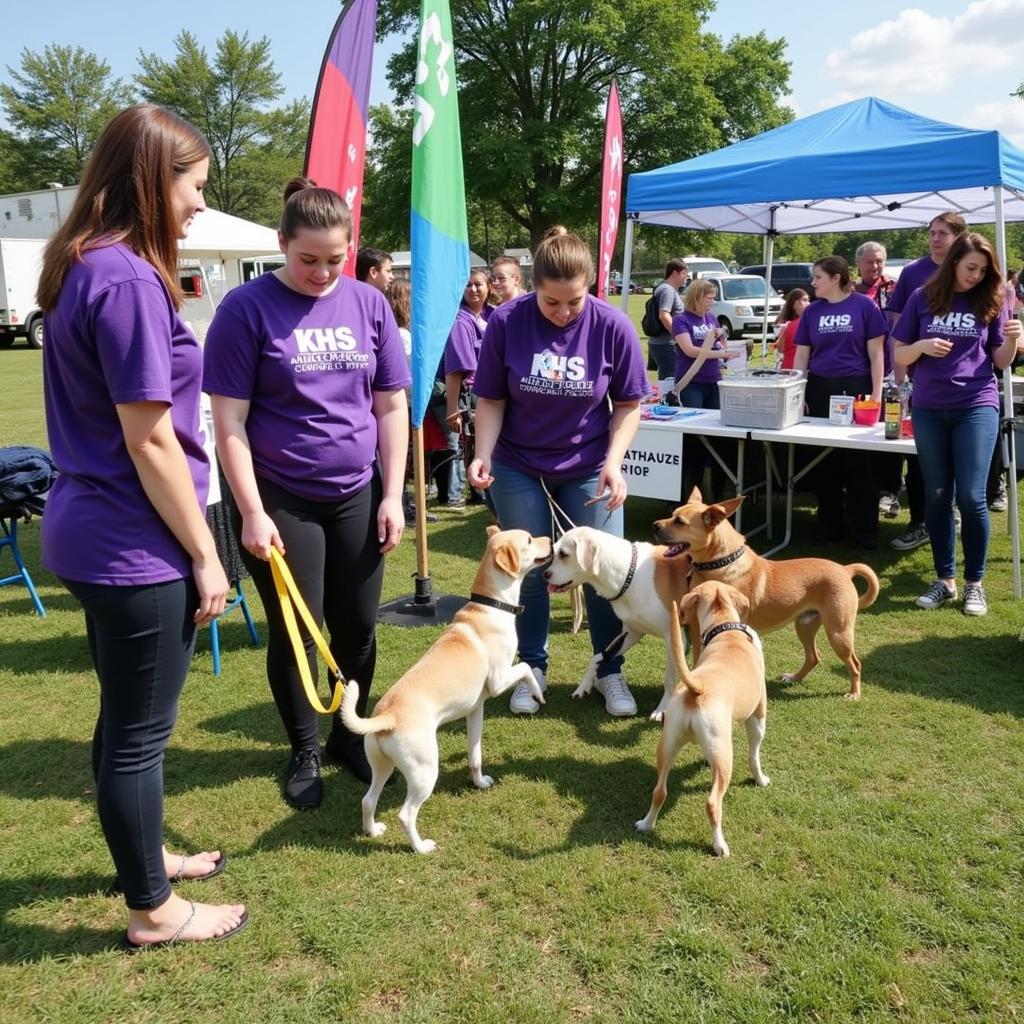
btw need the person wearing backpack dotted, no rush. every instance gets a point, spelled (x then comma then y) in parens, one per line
(661, 309)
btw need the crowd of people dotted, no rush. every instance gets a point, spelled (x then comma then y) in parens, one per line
(308, 371)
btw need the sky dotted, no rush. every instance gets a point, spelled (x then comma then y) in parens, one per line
(946, 59)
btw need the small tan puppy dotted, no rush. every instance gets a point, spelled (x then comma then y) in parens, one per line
(725, 686)
(469, 662)
(811, 591)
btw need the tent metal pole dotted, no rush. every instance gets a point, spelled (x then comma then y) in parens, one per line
(769, 256)
(1008, 441)
(627, 264)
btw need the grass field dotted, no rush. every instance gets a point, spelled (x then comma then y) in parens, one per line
(878, 878)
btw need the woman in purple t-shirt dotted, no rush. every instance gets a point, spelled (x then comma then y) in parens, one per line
(840, 344)
(306, 372)
(559, 384)
(125, 526)
(953, 332)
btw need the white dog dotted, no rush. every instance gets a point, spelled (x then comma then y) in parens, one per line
(469, 662)
(640, 582)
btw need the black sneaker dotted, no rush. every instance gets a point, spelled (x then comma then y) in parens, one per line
(303, 787)
(348, 750)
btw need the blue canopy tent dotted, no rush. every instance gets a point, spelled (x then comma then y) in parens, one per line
(861, 166)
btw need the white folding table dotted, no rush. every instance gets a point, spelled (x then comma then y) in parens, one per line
(819, 432)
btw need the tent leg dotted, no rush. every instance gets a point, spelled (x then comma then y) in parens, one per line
(627, 264)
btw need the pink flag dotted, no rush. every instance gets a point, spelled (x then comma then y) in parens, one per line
(611, 189)
(336, 150)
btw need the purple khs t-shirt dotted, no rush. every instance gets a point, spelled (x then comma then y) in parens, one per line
(308, 368)
(462, 350)
(913, 276)
(963, 379)
(838, 334)
(556, 383)
(114, 338)
(697, 328)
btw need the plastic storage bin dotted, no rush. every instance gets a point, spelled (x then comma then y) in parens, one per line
(764, 399)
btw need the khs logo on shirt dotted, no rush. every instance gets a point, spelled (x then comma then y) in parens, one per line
(325, 339)
(552, 367)
(954, 323)
(835, 322)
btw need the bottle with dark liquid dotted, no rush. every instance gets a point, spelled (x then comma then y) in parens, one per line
(892, 409)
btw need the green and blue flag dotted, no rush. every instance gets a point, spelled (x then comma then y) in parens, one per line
(439, 238)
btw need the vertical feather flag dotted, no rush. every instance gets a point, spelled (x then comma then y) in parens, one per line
(336, 149)
(439, 238)
(611, 189)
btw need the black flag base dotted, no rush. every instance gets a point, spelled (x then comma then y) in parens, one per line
(421, 608)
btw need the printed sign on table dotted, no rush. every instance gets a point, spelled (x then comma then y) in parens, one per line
(653, 466)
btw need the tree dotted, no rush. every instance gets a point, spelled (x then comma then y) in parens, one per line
(533, 76)
(58, 105)
(228, 100)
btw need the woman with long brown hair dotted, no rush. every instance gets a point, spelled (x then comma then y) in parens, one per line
(954, 332)
(125, 528)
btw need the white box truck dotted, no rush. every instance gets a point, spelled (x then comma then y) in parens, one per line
(21, 260)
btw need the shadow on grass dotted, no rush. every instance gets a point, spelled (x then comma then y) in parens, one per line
(31, 943)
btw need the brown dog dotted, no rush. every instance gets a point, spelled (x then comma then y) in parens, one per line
(725, 686)
(811, 591)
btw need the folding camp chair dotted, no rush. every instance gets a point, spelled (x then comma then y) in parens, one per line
(9, 516)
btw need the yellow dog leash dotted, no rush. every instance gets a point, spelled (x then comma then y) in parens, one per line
(291, 600)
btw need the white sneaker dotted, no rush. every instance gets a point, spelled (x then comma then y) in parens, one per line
(522, 701)
(618, 700)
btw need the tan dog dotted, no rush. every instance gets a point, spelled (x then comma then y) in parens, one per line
(638, 580)
(725, 686)
(811, 591)
(469, 662)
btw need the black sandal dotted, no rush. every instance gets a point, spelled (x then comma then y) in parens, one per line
(137, 947)
(219, 864)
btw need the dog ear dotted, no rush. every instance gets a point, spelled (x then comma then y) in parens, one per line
(587, 556)
(506, 558)
(695, 496)
(742, 605)
(714, 514)
(493, 529)
(687, 606)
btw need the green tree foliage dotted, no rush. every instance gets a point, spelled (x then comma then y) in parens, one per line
(533, 76)
(58, 103)
(255, 147)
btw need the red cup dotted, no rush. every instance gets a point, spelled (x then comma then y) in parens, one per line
(865, 414)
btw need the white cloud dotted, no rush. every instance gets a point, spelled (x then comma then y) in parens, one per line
(920, 53)
(1006, 116)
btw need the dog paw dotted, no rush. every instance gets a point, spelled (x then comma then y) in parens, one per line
(762, 780)
(788, 677)
(377, 829)
(722, 850)
(581, 691)
(851, 695)
(426, 846)
(538, 695)
(643, 826)
(483, 782)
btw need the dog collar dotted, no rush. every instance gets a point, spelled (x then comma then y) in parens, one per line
(726, 627)
(629, 575)
(493, 602)
(721, 563)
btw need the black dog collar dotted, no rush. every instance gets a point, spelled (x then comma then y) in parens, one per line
(493, 602)
(726, 627)
(629, 575)
(721, 563)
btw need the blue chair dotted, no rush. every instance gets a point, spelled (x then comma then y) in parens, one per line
(9, 525)
(238, 601)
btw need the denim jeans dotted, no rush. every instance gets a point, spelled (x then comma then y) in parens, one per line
(663, 351)
(954, 449)
(520, 504)
(141, 640)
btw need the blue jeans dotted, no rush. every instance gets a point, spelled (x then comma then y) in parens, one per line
(701, 395)
(663, 351)
(141, 641)
(954, 449)
(520, 504)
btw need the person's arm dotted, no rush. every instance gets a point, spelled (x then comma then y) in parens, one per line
(259, 533)
(452, 389)
(163, 472)
(490, 412)
(685, 343)
(624, 423)
(876, 357)
(908, 353)
(802, 359)
(392, 415)
(1013, 335)
(665, 316)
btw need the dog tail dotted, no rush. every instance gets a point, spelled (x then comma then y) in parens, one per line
(361, 726)
(870, 595)
(679, 655)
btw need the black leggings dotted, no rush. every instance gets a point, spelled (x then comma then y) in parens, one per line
(141, 640)
(333, 552)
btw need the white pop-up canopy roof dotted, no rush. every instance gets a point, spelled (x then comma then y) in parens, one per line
(216, 235)
(861, 166)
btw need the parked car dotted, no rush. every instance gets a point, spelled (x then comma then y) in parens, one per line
(786, 276)
(699, 266)
(894, 267)
(739, 303)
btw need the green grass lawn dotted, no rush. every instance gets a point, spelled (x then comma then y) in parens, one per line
(878, 878)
